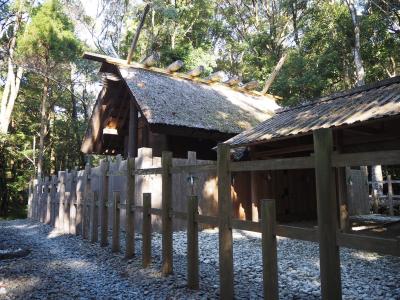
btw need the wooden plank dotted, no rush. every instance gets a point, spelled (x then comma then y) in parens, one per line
(225, 223)
(179, 215)
(192, 243)
(67, 207)
(46, 198)
(327, 215)
(129, 212)
(149, 171)
(299, 233)
(167, 250)
(146, 231)
(369, 243)
(52, 194)
(85, 201)
(269, 249)
(194, 168)
(72, 201)
(116, 223)
(62, 176)
(104, 201)
(94, 234)
(391, 157)
(273, 164)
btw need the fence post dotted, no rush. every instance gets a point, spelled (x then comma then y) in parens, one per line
(129, 210)
(45, 199)
(73, 204)
(270, 265)
(327, 215)
(192, 243)
(104, 203)
(146, 230)
(61, 203)
(39, 198)
(116, 223)
(67, 205)
(390, 194)
(53, 195)
(35, 198)
(94, 236)
(167, 260)
(86, 192)
(225, 223)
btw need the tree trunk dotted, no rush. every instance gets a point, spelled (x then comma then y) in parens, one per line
(11, 86)
(43, 127)
(275, 72)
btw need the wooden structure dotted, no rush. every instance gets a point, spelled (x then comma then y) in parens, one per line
(143, 106)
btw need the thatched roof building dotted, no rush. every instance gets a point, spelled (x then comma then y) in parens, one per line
(174, 111)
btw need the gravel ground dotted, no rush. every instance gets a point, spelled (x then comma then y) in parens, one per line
(64, 267)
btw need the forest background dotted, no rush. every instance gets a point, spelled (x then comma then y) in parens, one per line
(296, 49)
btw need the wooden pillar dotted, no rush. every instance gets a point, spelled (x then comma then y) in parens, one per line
(79, 211)
(94, 236)
(30, 197)
(146, 230)
(167, 261)
(192, 243)
(45, 195)
(269, 251)
(61, 176)
(85, 201)
(67, 207)
(104, 201)
(225, 223)
(73, 203)
(390, 194)
(53, 193)
(344, 220)
(47, 212)
(133, 129)
(115, 247)
(130, 214)
(254, 196)
(327, 215)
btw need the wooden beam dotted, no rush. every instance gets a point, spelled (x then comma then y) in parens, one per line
(129, 212)
(391, 157)
(133, 129)
(273, 164)
(327, 215)
(225, 223)
(138, 30)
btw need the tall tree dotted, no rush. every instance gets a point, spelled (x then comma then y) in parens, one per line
(48, 43)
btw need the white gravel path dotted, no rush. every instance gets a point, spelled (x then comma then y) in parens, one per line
(67, 267)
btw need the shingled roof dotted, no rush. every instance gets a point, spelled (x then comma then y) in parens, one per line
(368, 102)
(178, 100)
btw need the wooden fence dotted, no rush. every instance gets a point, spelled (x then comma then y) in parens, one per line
(390, 199)
(91, 206)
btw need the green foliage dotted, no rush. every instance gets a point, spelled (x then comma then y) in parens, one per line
(48, 37)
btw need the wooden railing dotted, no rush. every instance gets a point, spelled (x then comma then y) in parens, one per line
(93, 208)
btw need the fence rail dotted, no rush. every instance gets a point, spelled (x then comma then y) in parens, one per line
(86, 212)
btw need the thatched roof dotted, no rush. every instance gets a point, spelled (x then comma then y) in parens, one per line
(179, 100)
(370, 102)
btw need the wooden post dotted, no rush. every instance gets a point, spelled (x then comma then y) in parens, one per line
(116, 223)
(45, 195)
(130, 214)
(390, 194)
(344, 220)
(94, 236)
(87, 188)
(79, 211)
(133, 129)
(225, 223)
(67, 207)
(167, 260)
(73, 203)
(327, 215)
(61, 203)
(269, 252)
(192, 243)
(30, 198)
(53, 193)
(146, 230)
(48, 201)
(104, 203)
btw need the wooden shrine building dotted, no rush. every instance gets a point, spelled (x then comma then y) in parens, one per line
(143, 106)
(365, 119)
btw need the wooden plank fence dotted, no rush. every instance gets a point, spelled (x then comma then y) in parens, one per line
(90, 205)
